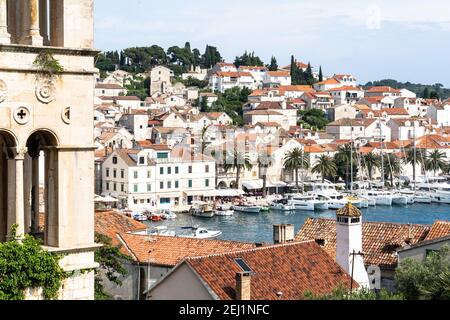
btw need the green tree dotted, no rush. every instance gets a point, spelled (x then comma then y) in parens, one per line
(435, 161)
(392, 168)
(427, 280)
(211, 57)
(24, 264)
(265, 160)
(309, 76)
(273, 64)
(144, 58)
(412, 158)
(314, 118)
(325, 167)
(345, 156)
(111, 265)
(426, 93)
(239, 161)
(320, 74)
(231, 102)
(370, 162)
(343, 293)
(248, 59)
(296, 160)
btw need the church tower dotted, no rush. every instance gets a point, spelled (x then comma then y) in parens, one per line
(46, 116)
(349, 251)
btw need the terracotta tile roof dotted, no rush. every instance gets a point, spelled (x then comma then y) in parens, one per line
(299, 64)
(329, 81)
(346, 122)
(124, 154)
(349, 211)
(269, 105)
(395, 111)
(269, 124)
(214, 115)
(294, 88)
(208, 94)
(373, 100)
(380, 240)
(222, 74)
(107, 86)
(382, 89)
(251, 68)
(111, 223)
(292, 269)
(439, 229)
(263, 113)
(127, 98)
(385, 145)
(279, 74)
(346, 88)
(169, 251)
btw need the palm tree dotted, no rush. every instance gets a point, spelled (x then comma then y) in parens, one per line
(343, 158)
(295, 160)
(237, 160)
(393, 168)
(204, 143)
(412, 159)
(325, 166)
(371, 161)
(436, 161)
(264, 162)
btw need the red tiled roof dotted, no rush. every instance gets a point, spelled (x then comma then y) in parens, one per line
(382, 89)
(329, 81)
(395, 111)
(279, 74)
(346, 88)
(234, 74)
(439, 229)
(293, 269)
(380, 240)
(294, 88)
(108, 86)
(169, 251)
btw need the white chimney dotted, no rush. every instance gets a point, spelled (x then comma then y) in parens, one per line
(283, 233)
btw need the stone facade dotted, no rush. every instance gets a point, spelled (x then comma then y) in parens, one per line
(48, 116)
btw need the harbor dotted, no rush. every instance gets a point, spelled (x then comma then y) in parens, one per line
(258, 228)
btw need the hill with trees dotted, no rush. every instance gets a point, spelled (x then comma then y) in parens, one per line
(435, 91)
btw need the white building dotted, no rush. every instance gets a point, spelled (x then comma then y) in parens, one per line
(221, 81)
(440, 113)
(258, 73)
(277, 78)
(346, 94)
(406, 129)
(383, 91)
(157, 178)
(109, 90)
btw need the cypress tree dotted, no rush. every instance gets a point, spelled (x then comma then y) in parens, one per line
(293, 70)
(426, 93)
(320, 74)
(273, 64)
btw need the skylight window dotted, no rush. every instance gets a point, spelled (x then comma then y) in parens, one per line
(243, 265)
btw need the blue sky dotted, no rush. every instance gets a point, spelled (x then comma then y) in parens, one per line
(404, 40)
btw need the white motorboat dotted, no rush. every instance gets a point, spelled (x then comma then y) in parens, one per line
(335, 200)
(168, 215)
(439, 192)
(399, 199)
(282, 205)
(247, 208)
(162, 231)
(307, 203)
(381, 198)
(139, 217)
(224, 211)
(201, 233)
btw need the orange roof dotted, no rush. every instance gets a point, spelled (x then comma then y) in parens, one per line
(383, 89)
(439, 229)
(279, 73)
(292, 269)
(299, 64)
(346, 88)
(269, 124)
(329, 81)
(294, 88)
(169, 251)
(396, 111)
(234, 74)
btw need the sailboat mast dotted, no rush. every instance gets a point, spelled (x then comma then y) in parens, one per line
(415, 156)
(351, 159)
(382, 154)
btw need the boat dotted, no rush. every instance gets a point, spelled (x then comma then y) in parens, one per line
(201, 209)
(162, 231)
(282, 205)
(438, 192)
(201, 233)
(139, 217)
(168, 215)
(327, 191)
(223, 213)
(399, 199)
(128, 213)
(381, 198)
(246, 208)
(154, 217)
(307, 203)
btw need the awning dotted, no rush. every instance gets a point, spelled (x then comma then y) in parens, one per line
(204, 193)
(229, 193)
(258, 184)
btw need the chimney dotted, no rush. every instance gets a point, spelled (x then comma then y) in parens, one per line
(283, 233)
(243, 286)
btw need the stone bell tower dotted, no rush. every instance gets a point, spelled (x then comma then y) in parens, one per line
(46, 116)
(349, 244)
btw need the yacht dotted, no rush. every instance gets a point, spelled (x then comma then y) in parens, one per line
(246, 208)
(282, 205)
(381, 198)
(335, 200)
(139, 217)
(168, 215)
(307, 203)
(399, 199)
(201, 233)
(438, 192)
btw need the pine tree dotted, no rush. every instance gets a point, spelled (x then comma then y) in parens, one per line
(309, 77)
(320, 74)
(273, 64)
(426, 93)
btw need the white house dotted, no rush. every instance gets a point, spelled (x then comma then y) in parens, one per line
(405, 93)
(440, 113)
(346, 94)
(318, 100)
(406, 129)
(277, 78)
(383, 91)
(128, 102)
(221, 81)
(258, 73)
(109, 90)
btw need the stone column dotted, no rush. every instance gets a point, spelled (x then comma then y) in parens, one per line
(32, 35)
(20, 199)
(27, 191)
(5, 37)
(43, 21)
(11, 198)
(3, 192)
(56, 23)
(35, 196)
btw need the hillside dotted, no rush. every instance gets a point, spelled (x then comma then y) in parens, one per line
(418, 88)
